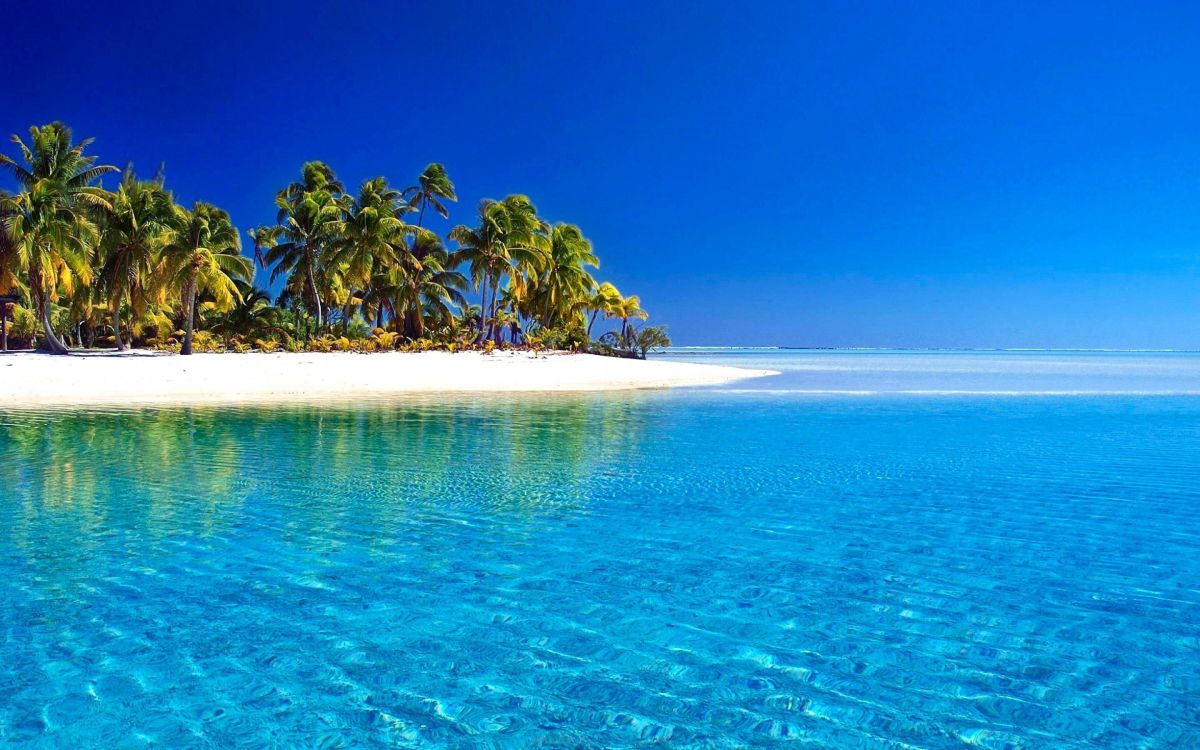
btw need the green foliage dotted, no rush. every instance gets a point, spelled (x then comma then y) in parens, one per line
(571, 337)
(650, 337)
(433, 186)
(131, 267)
(51, 225)
(385, 339)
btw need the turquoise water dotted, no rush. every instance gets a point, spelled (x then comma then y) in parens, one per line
(725, 567)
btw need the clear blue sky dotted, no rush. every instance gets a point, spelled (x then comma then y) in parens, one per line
(832, 174)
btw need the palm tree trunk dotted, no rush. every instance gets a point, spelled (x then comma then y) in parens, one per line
(483, 307)
(116, 313)
(497, 330)
(312, 288)
(591, 323)
(41, 305)
(487, 313)
(52, 344)
(189, 306)
(418, 322)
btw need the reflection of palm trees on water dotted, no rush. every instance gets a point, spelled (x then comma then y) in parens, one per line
(319, 474)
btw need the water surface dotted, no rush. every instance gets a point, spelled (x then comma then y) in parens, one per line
(948, 372)
(716, 567)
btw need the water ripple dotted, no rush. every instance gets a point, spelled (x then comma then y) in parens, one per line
(708, 571)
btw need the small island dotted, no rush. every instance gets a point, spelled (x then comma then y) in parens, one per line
(87, 269)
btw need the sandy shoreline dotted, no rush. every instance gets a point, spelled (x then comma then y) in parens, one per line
(28, 378)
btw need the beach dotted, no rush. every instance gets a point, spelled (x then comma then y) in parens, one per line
(28, 378)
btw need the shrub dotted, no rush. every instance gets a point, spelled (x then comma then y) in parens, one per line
(571, 337)
(358, 328)
(650, 337)
(206, 342)
(321, 344)
(385, 339)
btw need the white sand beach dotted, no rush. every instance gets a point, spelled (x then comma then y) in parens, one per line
(28, 378)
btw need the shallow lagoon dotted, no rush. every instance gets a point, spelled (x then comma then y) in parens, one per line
(703, 568)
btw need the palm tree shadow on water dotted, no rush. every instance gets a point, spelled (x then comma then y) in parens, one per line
(311, 476)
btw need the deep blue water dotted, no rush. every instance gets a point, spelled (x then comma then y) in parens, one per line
(727, 567)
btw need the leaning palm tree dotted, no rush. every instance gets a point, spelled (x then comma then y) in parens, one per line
(51, 221)
(433, 184)
(296, 246)
(141, 212)
(626, 308)
(509, 241)
(202, 253)
(604, 300)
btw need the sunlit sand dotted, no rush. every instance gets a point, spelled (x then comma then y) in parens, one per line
(91, 378)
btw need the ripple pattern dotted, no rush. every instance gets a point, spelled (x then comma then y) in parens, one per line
(703, 570)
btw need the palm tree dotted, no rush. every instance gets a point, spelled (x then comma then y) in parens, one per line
(252, 316)
(626, 308)
(422, 287)
(565, 285)
(629, 307)
(10, 283)
(141, 213)
(50, 222)
(429, 286)
(309, 213)
(604, 299)
(509, 241)
(371, 234)
(433, 184)
(202, 254)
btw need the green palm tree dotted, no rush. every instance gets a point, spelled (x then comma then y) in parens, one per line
(626, 308)
(372, 233)
(422, 289)
(141, 212)
(51, 221)
(431, 286)
(603, 300)
(564, 285)
(251, 317)
(309, 214)
(10, 282)
(509, 241)
(202, 254)
(432, 185)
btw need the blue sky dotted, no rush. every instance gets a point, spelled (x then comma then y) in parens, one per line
(832, 174)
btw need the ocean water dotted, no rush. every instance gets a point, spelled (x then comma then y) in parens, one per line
(871, 550)
(975, 373)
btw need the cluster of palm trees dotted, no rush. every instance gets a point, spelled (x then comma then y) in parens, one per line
(132, 265)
